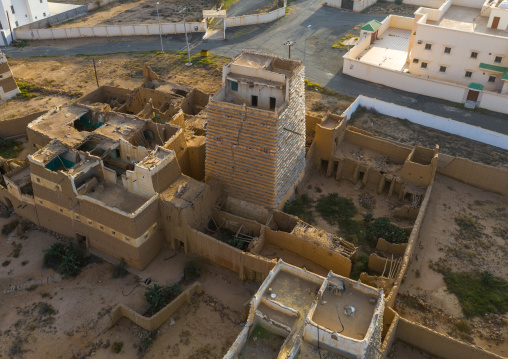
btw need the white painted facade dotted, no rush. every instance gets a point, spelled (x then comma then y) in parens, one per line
(18, 13)
(8, 87)
(462, 42)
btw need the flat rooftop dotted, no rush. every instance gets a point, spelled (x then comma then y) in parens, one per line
(390, 50)
(467, 19)
(183, 191)
(20, 178)
(330, 312)
(267, 62)
(116, 196)
(293, 291)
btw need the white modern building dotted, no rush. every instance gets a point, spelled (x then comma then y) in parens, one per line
(454, 49)
(16, 13)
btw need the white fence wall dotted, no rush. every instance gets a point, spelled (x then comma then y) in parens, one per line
(420, 85)
(255, 18)
(426, 119)
(108, 31)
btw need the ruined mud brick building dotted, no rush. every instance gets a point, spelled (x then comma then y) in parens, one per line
(307, 311)
(8, 87)
(256, 129)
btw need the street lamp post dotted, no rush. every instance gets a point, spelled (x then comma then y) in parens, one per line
(189, 63)
(305, 46)
(289, 43)
(160, 28)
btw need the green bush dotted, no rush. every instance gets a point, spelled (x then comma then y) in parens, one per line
(119, 270)
(67, 259)
(117, 347)
(334, 208)
(477, 297)
(360, 265)
(159, 296)
(229, 237)
(382, 228)
(300, 207)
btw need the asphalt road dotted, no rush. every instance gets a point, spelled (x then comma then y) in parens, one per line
(323, 63)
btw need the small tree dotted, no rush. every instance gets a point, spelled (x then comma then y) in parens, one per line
(159, 296)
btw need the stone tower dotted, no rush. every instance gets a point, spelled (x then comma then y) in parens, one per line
(255, 143)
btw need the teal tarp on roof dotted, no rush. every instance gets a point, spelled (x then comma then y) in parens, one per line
(372, 25)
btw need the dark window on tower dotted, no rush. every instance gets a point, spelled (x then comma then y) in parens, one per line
(234, 86)
(474, 55)
(469, 74)
(12, 9)
(498, 59)
(492, 78)
(424, 65)
(442, 69)
(254, 100)
(273, 102)
(447, 50)
(428, 46)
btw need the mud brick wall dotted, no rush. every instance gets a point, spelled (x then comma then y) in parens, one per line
(17, 126)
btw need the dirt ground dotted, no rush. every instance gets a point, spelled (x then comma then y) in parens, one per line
(66, 78)
(383, 7)
(52, 317)
(128, 12)
(63, 79)
(437, 241)
(405, 132)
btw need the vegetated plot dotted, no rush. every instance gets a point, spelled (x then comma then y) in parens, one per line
(397, 8)
(406, 132)
(128, 12)
(457, 281)
(58, 81)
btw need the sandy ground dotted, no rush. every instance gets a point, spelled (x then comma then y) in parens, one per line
(60, 80)
(142, 12)
(81, 304)
(437, 240)
(403, 131)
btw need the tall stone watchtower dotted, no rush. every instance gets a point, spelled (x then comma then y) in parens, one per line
(255, 143)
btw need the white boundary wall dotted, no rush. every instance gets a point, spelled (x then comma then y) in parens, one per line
(108, 31)
(426, 119)
(358, 5)
(255, 18)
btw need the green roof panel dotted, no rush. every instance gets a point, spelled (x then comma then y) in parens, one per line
(503, 70)
(372, 25)
(476, 86)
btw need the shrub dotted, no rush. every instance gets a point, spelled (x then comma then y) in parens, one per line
(67, 259)
(160, 296)
(360, 265)
(334, 208)
(300, 207)
(6, 263)
(146, 341)
(117, 347)
(382, 228)
(475, 296)
(191, 271)
(9, 227)
(119, 270)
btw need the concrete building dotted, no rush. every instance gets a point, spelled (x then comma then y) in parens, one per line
(451, 50)
(256, 129)
(8, 87)
(313, 316)
(15, 13)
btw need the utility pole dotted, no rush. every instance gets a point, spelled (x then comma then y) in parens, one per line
(305, 46)
(10, 28)
(289, 43)
(189, 63)
(160, 29)
(95, 70)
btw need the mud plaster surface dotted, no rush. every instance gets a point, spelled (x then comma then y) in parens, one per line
(448, 199)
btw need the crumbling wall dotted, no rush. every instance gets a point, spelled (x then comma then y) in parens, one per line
(196, 148)
(178, 144)
(155, 321)
(22, 208)
(326, 258)
(438, 344)
(195, 102)
(492, 179)
(395, 152)
(390, 248)
(17, 126)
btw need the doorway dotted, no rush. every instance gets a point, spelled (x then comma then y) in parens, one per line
(495, 22)
(472, 95)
